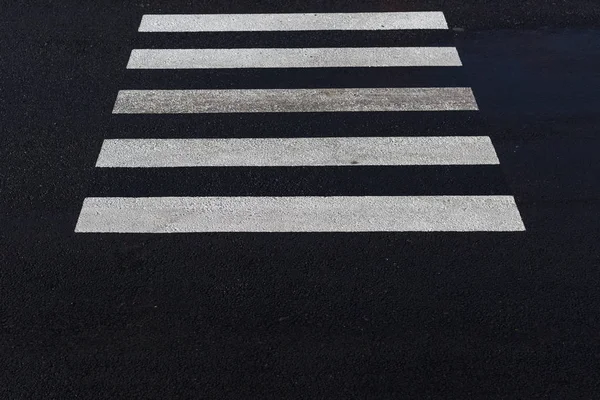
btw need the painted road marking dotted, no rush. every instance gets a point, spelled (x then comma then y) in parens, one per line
(294, 58)
(454, 213)
(430, 150)
(299, 214)
(293, 100)
(292, 22)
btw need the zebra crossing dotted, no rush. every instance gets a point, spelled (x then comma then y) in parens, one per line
(455, 213)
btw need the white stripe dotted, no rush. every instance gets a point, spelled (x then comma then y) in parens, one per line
(292, 22)
(149, 153)
(294, 58)
(299, 214)
(293, 100)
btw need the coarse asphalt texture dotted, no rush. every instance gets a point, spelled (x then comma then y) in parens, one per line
(448, 315)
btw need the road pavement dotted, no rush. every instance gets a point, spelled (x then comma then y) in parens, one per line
(233, 206)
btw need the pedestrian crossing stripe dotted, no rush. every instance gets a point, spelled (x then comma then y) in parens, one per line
(293, 100)
(297, 152)
(300, 214)
(292, 22)
(294, 58)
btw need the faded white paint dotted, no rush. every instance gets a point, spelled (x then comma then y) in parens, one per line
(293, 100)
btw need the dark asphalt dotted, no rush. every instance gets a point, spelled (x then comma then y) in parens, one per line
(340, 316)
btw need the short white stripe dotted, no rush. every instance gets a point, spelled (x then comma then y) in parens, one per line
(149, 153)
(299, 214)
(294, 58)
(293, 100)
(292, 22)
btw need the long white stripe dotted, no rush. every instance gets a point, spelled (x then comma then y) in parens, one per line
(299, 214)
(149, 153)
(294, 58)
(293, 100)
(292, 22)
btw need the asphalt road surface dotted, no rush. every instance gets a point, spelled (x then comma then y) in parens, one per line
(360, 200)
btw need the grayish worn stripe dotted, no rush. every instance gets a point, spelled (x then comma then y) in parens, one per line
(292, 22)
(299, 214)
(160, 153)
(294, 58)
(293, 100)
